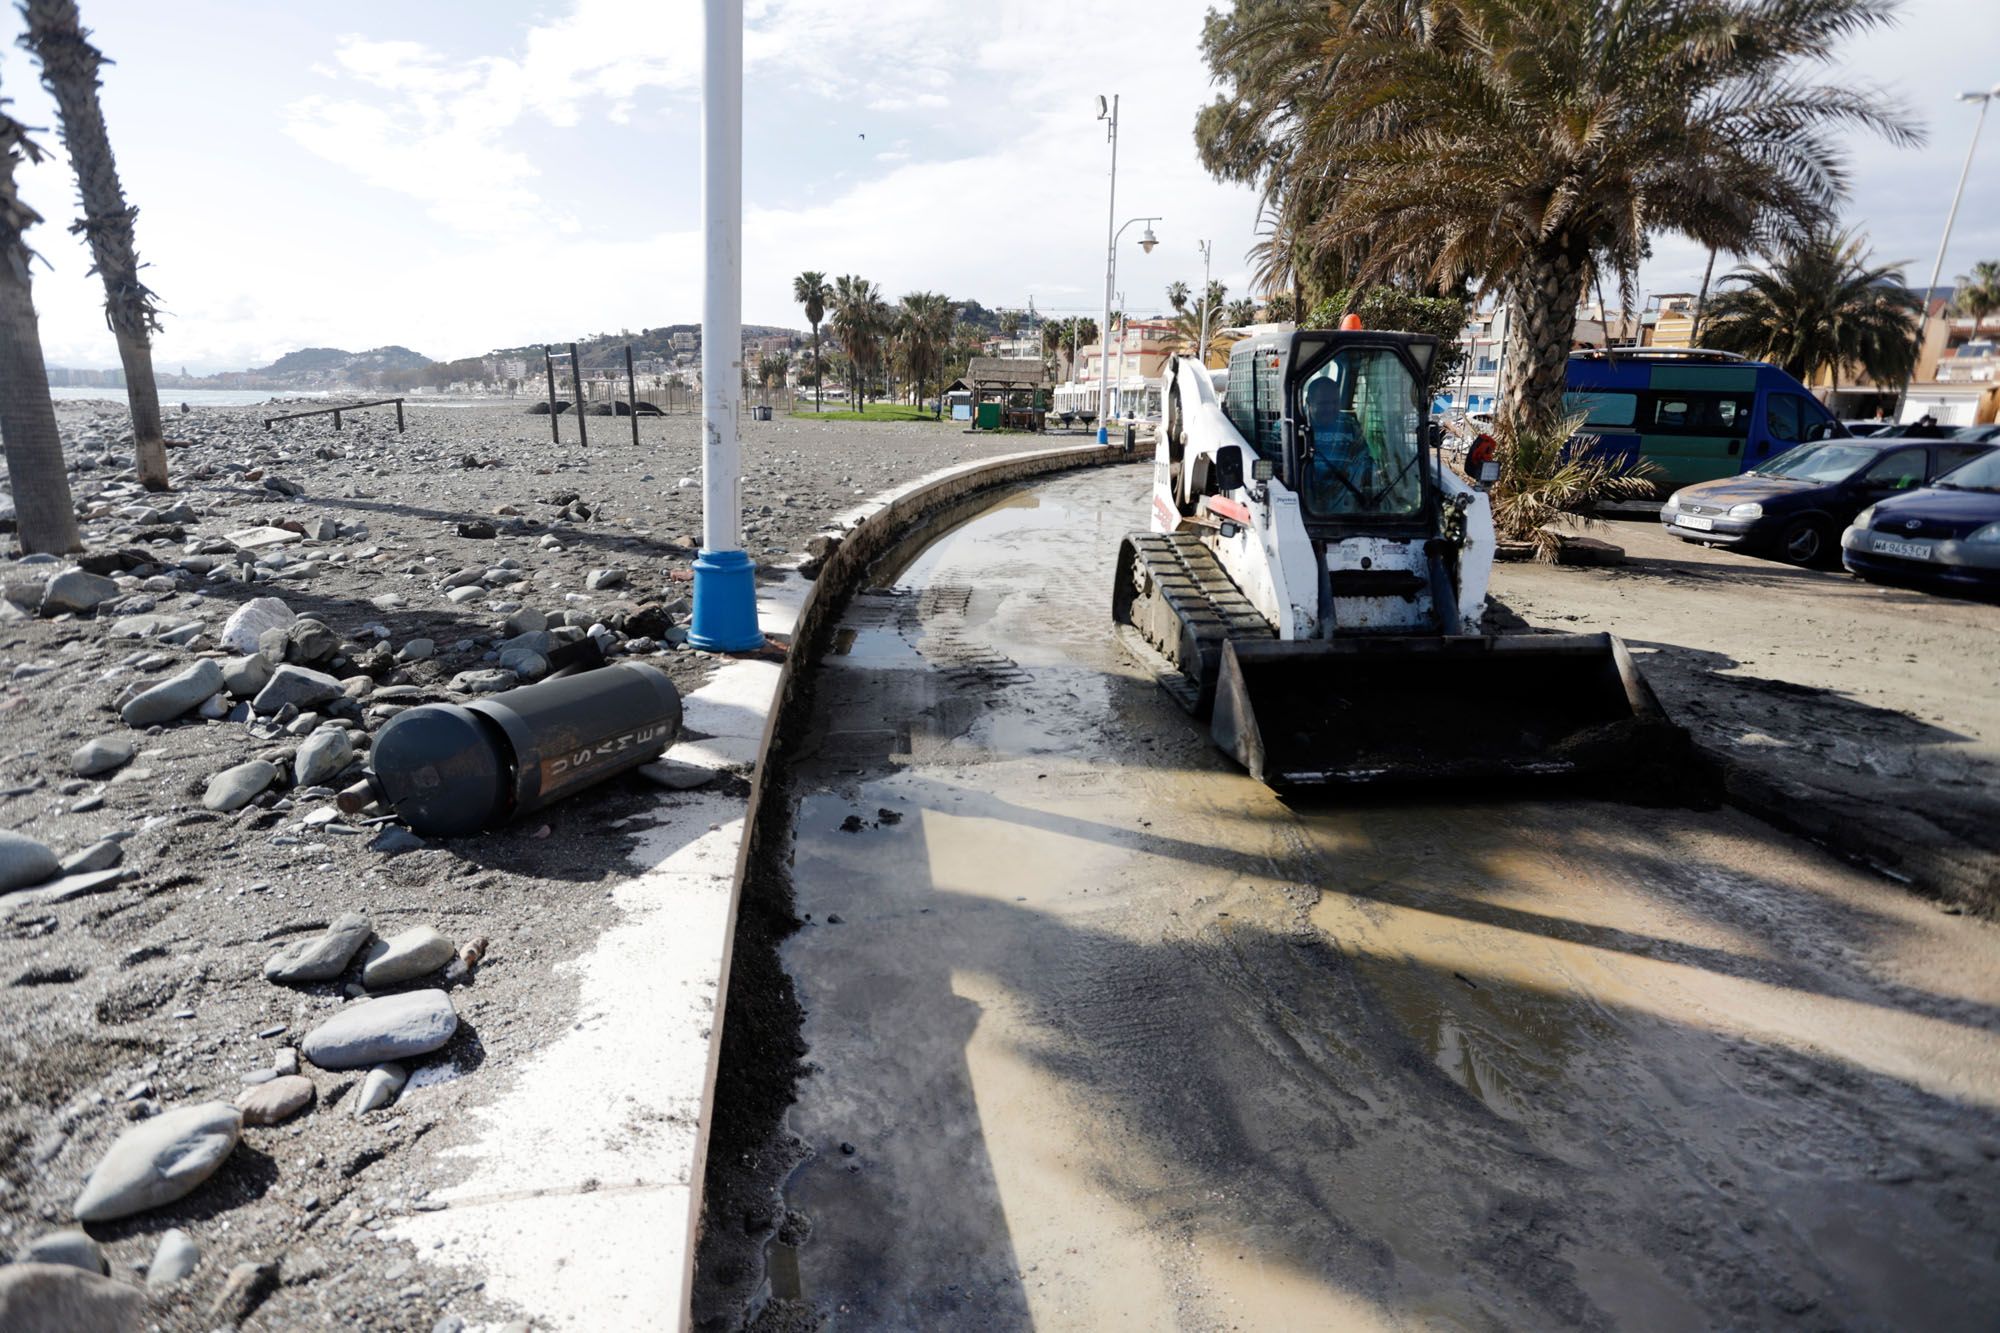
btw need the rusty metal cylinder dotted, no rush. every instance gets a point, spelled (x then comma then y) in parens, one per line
(450, 769)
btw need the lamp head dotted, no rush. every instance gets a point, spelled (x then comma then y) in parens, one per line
(1102, 109)
(1148, 241)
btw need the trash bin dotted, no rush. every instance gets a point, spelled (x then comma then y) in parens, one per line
(988, 418)
(762, 412)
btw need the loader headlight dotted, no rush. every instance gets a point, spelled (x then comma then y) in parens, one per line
(1989, 533)
(1752, 510)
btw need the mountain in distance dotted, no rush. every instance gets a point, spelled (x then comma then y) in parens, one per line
(310, 368)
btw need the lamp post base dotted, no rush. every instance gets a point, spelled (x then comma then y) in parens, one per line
(725, 604)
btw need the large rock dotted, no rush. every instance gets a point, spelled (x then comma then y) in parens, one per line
(394, 1027)
(76, 590)
(243, 677)
(404, 957)
(296, 685)
(310, 641)
(24, 861)
(325, 753)
(55, 1298)
(101, 756)
(483, 682)
(324, 956)
(175, 1258)
(246, 625)
(234, 788)
(177, 694)
(72, 1247)
(159, 1160)
(279, 1099)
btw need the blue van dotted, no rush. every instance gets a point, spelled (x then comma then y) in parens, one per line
(1694, 415)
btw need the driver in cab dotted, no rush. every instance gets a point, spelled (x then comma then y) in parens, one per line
(1341, 472)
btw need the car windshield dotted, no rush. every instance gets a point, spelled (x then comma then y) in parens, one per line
(1819, 463)
(1981, 474)
(1362, 447)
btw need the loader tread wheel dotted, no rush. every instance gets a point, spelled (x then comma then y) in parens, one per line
(1173, 595)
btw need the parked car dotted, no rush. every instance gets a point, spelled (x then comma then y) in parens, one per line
(1795, 505)
(1944, 535)
(1861, 430)
(1693, 415)
(1987, 434)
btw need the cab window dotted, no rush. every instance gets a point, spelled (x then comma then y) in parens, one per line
(1359, 429)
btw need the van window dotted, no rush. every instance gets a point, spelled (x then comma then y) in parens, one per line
(1603, 408)
(1696, 412)
(1785, 416)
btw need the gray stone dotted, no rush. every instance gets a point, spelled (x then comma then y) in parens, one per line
(322, 957)
(404, 957)
(100, 855)
(101, 756)
(176, 1256)
(393, 1027)
(55, 1298)
(159, 1160)
(534, 641)
(393, 840)
(524, 663)
(70, 1247)
(234, 788)
(280, 1099)
(244, 676)
(379, 1087)
(674, 774)
(246, 625)
(180, 692)
(465, 578)
(297, 686)
(76, 590)
(69, 886)
(417, 650)
(527, 620)
(461, 596)
(325, 753)
(323, 530)
(483, 682)
(310, 641)
(24, 861)
(605, 578)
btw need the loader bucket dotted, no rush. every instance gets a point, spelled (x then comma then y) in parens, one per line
(1368, 711)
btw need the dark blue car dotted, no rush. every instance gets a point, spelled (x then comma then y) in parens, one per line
(1946, 535)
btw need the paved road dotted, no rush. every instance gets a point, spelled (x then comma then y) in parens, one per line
(1103, 1035)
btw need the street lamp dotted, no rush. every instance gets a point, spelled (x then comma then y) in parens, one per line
(1146, 242)
(725, 589)
(1985, 100)
(1206, 247)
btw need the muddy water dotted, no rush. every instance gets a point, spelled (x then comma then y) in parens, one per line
(1103, 1035)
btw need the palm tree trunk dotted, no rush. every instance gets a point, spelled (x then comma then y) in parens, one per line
(817, 371)
(1538, 338)
(69, 71)
(43, 508)
(1701, 301)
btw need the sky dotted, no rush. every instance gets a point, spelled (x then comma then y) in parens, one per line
(457, 178)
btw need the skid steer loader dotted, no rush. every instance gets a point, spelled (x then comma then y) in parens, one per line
(1314, 580)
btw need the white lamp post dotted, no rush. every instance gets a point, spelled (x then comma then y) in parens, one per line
(1985, 100)
(725, 593)
(1206, 248)
(1146, 242)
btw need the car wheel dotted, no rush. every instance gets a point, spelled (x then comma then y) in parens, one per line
(1805, 542)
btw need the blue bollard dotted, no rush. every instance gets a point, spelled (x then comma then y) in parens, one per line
(725, 604)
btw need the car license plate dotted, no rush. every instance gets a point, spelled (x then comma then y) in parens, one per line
(1697, 522)
(1907, 550)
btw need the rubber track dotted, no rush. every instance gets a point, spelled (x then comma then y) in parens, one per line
(1189, 579)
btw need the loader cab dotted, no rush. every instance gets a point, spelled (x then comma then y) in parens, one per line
(1341, 419)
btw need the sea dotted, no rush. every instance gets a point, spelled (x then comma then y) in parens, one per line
(173, 398)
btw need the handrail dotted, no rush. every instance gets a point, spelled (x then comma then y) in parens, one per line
(336, 411)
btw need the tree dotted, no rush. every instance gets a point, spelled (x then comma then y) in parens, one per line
(810, 290)
(771, 372)
(857, 322)
(1240, 312)
(1177, 296)
(1443, 317)
(1979, 295)
(69, 71)
(43, 508)
(1529, 145)
(924, 323)
(1821, 305)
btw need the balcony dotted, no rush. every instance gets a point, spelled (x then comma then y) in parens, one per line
(1969, 369)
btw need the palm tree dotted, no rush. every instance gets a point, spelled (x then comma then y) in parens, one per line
(69, 71)
(924, 324)
(810, 290)
(857, 322)
(1530, 145)
(1979, 295)
(1240, 312)
(1822, 305)
(1177, 296)
(43, 508)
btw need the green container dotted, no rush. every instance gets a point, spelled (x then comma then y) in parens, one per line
(988, 417)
